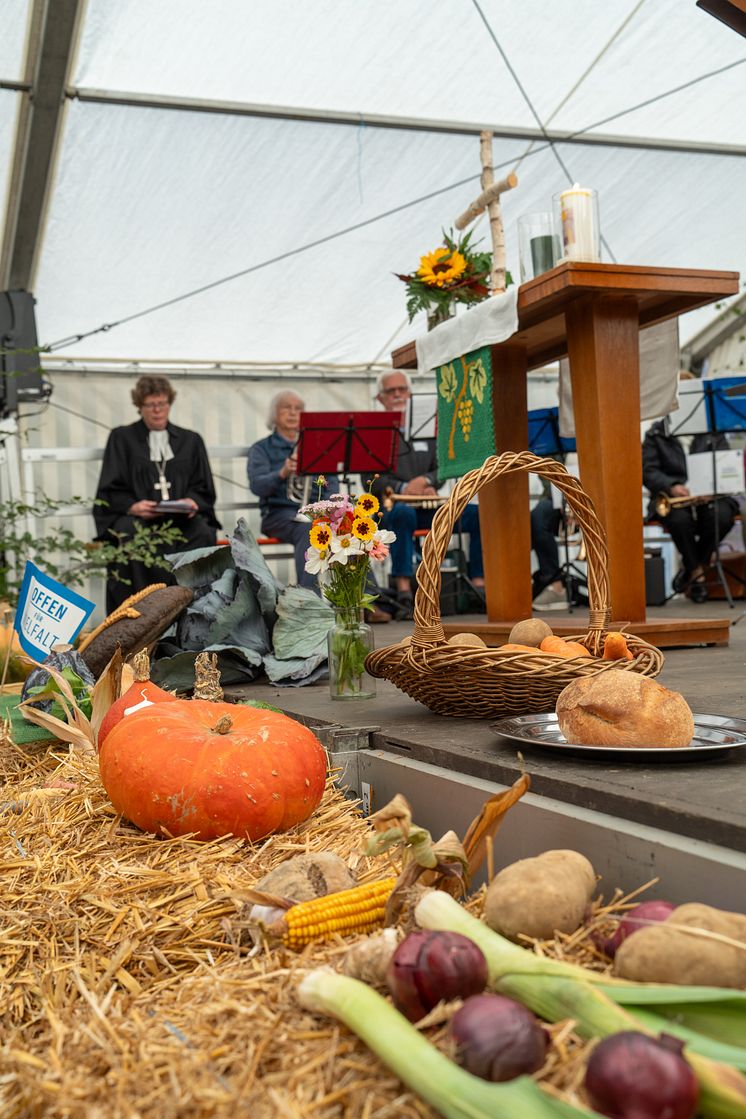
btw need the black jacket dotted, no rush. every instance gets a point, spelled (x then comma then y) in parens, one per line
(128, 475)
(664, 459)
(415, 458)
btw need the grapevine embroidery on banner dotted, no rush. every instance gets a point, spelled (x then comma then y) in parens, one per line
(465, 412)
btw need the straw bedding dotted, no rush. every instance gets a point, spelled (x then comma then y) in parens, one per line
(125, 987)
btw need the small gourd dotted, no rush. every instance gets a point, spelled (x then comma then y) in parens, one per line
(142, 692)
(615, 647)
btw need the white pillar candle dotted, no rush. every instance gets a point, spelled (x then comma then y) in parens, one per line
(579, 222)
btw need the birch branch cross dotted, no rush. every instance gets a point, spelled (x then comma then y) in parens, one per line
(489, 200)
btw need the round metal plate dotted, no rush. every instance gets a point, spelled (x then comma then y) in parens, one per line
(714, 735)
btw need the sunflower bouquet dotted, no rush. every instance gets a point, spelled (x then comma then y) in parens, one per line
(453, 273)
(344, 536)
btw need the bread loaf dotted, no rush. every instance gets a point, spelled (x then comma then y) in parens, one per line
(619, 708)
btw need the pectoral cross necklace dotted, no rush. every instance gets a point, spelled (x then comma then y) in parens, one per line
(162, 484)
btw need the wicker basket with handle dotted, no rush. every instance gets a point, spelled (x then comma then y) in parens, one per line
(484, 682)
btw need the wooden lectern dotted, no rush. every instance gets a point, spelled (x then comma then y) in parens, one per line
(591, 313)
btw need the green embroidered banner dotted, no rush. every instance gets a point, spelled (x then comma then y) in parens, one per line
(466, 432)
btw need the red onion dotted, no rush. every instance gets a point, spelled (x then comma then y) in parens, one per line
(633, 1076)
(497, 1038)
(646, 913)
(430, 966)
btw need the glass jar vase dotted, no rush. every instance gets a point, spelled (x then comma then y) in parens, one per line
(440, 313)
(349, 641)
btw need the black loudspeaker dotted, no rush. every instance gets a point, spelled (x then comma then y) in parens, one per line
(20, 365)
(655, 581)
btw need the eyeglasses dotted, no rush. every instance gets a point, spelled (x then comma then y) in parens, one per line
(396, 388)
(156, 405)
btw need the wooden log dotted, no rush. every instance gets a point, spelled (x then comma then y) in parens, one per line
(479, 204)
(497, 276)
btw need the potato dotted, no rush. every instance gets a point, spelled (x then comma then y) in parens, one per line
(467, 639)
(537, 897)
(663, 954)
(532, 631)
(304, 877)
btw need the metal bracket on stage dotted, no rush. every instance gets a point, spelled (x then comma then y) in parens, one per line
(344, 745)
(345, 740)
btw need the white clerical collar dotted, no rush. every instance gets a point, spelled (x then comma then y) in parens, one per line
(160, 447)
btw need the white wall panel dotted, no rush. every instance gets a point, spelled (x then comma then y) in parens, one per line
(84, 407)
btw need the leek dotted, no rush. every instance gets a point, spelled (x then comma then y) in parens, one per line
(556, 990)
(717, 1050)
(452, 1091)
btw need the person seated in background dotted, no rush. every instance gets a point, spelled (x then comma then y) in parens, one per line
(146, 462)
(416, 475)
(273, 476)
(695, 529)
(548, 589)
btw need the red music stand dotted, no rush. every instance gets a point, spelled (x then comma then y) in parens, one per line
(348, 442)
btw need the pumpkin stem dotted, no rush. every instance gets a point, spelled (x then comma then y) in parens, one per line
(141, 666)
(223, 725)
(207, 678)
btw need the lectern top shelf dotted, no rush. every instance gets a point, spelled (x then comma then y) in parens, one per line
(660, 293)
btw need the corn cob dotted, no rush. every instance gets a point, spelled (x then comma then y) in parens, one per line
(347, 911)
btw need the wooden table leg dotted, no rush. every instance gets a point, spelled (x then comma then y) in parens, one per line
(503, 504)
(603, 348)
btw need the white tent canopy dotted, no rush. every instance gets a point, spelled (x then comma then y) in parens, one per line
(201, 141)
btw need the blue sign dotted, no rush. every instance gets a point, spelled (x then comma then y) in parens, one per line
(48, 613)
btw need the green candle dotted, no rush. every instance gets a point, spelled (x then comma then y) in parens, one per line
(543, 253)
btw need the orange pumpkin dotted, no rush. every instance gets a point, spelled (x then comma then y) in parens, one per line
(141, 692)
(212, 769)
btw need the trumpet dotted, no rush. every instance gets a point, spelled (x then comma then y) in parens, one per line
(664, 503)
(418, 501)
(298, 488)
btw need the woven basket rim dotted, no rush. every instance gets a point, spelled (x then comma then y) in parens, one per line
(427, 598)
(485, 679)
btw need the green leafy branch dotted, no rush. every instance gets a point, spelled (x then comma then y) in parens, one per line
(62, 554)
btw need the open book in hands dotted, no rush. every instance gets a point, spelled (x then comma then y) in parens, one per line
(176, 506)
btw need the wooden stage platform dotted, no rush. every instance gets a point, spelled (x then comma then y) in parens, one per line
(684, 822)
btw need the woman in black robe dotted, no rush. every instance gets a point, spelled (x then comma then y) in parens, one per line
(146, 463)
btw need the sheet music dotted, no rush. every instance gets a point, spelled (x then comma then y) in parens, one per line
(423, 412)
(729, 473)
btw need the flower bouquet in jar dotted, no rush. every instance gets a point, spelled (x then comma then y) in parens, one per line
(344, 536)
(453, 273)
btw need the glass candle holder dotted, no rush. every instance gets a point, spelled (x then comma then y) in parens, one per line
(538, 245)
(577, 222)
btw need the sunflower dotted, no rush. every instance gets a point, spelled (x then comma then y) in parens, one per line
(320, 536)
(441, 267)
(363, 528)
(367, 505)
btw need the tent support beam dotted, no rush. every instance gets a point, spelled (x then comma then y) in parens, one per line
(51, 44)
(404, 124)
